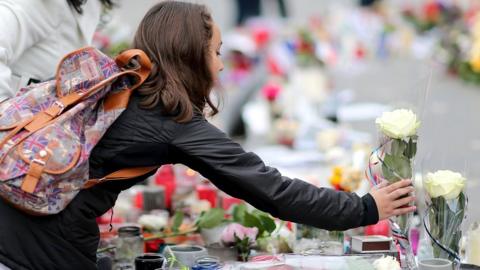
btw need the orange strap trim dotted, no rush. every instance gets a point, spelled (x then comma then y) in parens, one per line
(122, 60)
(123, 174)
(15, 131)
(142, 69)
(35, 171)
(42, 119)
(120, 99)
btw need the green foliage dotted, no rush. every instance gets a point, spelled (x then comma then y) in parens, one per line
(445, 220)
(172, 261)
(211, 219)
(466, 72)
(177, 221)
(256, 218)
(243, 247)
(118, 48)
(397, 164)
(238, 213)
(398, 147)
(395, 168)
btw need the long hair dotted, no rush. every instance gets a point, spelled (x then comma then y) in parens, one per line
(77, 4)
(176, 36)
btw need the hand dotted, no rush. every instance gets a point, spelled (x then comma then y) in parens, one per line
(393, 200)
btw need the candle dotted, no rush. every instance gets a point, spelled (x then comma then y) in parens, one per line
(473, 245)
(207, 192)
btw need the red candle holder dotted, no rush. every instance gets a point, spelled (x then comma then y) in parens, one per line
(207, 192)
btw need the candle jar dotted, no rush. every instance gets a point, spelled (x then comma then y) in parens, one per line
(207, 263)
(473, 245)
(149, 261)
(129, 244)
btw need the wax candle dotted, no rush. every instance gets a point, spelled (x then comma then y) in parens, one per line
(207, 192)
(473, 246)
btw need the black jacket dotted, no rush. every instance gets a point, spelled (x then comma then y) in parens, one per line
(147, 137)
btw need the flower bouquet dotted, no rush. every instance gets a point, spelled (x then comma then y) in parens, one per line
(233, 227)
(393, 161)
(243, 238)
(469, 68)
(446, 210)
(433, 14)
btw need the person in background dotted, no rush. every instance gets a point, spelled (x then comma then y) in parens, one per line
(252, 8)
(36, 34)
(368, 3)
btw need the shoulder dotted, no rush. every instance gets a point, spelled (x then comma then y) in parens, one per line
(199, 131)
(48, 11)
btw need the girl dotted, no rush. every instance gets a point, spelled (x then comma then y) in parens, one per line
(164, 124)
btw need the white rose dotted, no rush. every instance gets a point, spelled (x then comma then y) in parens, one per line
(398, 124)
(444, 183)
(153, 222)
(386, 263)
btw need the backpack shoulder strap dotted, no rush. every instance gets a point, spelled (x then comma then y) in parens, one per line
(142, 69)
(123, 174)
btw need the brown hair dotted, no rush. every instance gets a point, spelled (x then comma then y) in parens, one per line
(176, 36)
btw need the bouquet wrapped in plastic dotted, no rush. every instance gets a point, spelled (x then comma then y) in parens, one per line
(446, 202)
(393, 161)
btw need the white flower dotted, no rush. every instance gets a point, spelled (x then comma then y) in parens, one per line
(444, 183)
(153, 222)
(386, 263)
(398, 124)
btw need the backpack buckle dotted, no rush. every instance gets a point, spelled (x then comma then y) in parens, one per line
(60, 105)
(39, 162)
(35, 171)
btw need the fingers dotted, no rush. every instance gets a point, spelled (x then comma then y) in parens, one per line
(401, 192)
(397, 185)
(403, 201)
(404, 210)
(382, 184)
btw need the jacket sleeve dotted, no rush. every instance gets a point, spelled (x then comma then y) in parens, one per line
(22, 24)
(209, 151)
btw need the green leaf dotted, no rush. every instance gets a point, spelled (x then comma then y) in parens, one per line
(211, 219)
(395, 168)
(177, 221)
(388, 174)
(238, 214)
(268, 223)
(253, 222)
(411, 149)
(398, 147)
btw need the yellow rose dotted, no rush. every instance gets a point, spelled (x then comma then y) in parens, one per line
(475, 64)
(398, 124)
(444, 183)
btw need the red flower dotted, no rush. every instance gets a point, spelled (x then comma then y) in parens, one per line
(271, 91)
(432, 11)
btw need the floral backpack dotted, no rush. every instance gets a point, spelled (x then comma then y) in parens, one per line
(48, 130)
